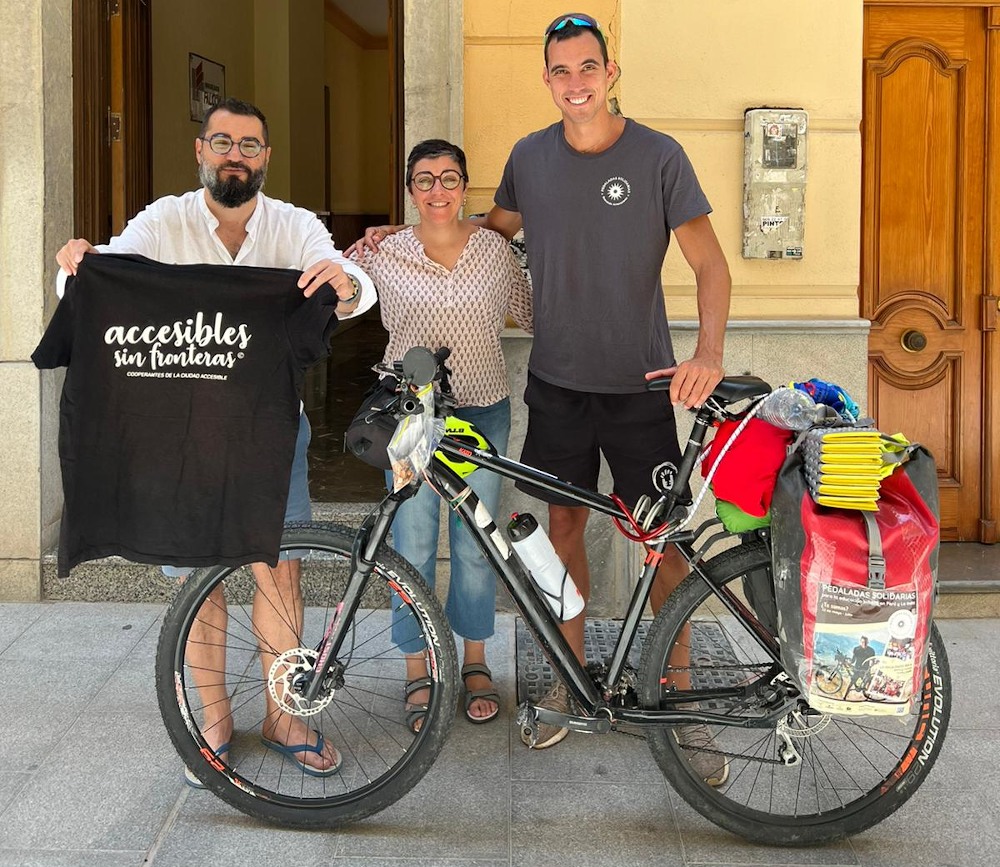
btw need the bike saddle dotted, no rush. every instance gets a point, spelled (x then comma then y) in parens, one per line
(732, 389)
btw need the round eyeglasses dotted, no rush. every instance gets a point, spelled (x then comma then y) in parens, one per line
(450, 179)
(222, 144)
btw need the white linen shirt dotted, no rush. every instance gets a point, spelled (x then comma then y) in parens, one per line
(180, 230)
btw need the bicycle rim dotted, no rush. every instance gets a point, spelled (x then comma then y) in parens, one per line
(234, 662)
(851, 772)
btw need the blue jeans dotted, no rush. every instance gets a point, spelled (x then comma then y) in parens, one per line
(299, 506)
(471, 605)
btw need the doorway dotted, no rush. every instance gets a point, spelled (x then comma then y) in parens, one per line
(326, 71)
(931, 144)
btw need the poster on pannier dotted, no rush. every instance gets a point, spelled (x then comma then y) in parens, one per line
(863, 650)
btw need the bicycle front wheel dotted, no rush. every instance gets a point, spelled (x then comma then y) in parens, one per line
(850, 773)
(830, 681)
(235, 648)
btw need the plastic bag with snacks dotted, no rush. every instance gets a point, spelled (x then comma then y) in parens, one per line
(415, 440)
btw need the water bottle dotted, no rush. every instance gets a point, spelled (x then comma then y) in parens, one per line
(547, 570)
(790, 409)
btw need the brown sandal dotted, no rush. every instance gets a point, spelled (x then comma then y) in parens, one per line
(489, 694)
(415, 712)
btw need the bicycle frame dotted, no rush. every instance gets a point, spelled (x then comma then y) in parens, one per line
(594, 698)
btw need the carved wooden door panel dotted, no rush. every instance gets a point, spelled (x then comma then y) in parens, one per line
(923, 217)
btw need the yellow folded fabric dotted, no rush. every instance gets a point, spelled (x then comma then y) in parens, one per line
(851, 448)
(854, 436)
(835, 477)
(863, 492)
(862, 461)
(847, 503)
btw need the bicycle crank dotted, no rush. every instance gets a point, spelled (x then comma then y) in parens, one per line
(529, 717)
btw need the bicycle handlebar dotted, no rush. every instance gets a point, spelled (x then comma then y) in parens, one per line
(418, 369)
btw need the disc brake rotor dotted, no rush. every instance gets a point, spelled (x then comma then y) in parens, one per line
(287, 679)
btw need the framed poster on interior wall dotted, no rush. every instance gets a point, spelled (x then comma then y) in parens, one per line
(207, 80)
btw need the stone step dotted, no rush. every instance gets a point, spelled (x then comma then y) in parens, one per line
(114, 579)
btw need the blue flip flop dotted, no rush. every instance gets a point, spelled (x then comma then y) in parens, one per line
(192, 780)
(305, 748)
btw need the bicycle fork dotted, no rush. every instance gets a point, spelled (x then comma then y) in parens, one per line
(371, 535)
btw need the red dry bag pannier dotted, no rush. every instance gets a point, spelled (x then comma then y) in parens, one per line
(855, 590)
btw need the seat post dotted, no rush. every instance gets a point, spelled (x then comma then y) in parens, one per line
(702, 423)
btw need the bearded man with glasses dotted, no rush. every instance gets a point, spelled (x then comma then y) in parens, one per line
(229, 221)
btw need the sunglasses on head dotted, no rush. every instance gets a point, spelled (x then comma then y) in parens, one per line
(578, 20)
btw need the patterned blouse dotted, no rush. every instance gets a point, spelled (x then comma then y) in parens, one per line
(425, 304)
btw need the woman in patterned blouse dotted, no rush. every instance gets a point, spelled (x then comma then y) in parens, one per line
(447, 282)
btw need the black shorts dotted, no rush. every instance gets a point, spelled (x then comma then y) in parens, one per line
(568, 430)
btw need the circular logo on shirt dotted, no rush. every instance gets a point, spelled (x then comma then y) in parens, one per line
(663, 477)
(616, 191)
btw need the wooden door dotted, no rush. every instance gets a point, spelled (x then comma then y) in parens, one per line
(111, 113)
(397, 157)
(923, 273)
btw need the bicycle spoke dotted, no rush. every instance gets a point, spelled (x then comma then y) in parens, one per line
(843, 760)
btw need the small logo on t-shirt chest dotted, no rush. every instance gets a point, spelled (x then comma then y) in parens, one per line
(616, 191)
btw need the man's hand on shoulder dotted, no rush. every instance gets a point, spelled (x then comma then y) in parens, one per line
(374, 235)
(71, 255)
(693, 380)
(328, 271)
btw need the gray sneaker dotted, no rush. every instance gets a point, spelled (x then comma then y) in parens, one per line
(556, 699)
(697, 740)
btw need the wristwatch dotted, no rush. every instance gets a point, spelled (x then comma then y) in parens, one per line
(357, 290)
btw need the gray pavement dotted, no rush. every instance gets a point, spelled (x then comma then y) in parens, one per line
(88, 777)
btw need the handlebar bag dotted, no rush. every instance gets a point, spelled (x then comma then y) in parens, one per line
(372, 427)
(843, 575)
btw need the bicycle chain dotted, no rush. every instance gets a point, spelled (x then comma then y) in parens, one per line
(728, 755)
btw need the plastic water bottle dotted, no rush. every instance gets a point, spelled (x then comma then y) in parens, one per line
(547, 570)
(790, 409)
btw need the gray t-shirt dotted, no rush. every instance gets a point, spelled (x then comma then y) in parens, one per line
(597, 228)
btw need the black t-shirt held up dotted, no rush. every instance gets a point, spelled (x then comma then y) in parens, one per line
(180, 410)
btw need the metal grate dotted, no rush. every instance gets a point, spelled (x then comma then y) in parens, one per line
(535, 676)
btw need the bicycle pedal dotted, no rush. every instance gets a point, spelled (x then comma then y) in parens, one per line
(527, 722)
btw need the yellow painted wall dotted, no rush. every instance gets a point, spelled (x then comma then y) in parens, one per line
(693, 73)
(690, 68)
(221, 32)
(271, 47)
(306, 76)
(359, 122)
(505, 97)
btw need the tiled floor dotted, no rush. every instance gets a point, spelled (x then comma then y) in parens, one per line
(88, 777)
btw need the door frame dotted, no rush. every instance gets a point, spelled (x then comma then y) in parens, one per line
(397, 155)
(989, 529)
(989, 521)
(112, 115)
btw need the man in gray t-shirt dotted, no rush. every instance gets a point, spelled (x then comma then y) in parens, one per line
(599, 196)
(597, 226)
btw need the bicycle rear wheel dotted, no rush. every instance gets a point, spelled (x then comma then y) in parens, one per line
(853, 771)
(830, 681)
(234, 647)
